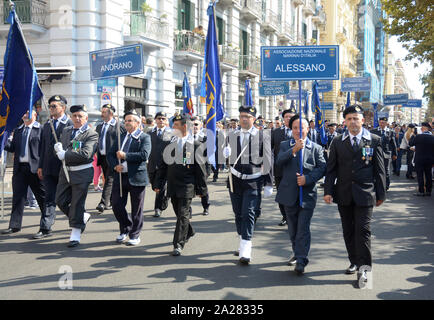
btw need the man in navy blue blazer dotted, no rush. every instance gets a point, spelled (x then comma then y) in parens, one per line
(299, 215)
(135, 151)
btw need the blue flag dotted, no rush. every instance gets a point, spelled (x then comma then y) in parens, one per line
(211, 85)
(188, 103)
(20, 84)
(248, 99)
(375, 105)
(348, 100)
(319, 119)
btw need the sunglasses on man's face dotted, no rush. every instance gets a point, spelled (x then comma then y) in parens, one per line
(196, 124)
(161, 119)
(53, 106)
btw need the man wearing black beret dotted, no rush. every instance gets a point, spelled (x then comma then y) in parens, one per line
(388, 141)
(356, 181)
(424, 159)
(77, 147)
(107, 137)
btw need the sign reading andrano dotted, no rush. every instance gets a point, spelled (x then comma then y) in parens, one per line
(116, 62)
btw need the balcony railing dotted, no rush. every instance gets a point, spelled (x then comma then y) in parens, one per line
(271, 20)
(249, 64)
(188, 41)
(251, 9)
(287, 32)
(229, 55)
(309, 7)
(148, 27)
(28, 11)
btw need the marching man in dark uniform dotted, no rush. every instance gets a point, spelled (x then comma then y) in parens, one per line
(107, 132)
(135, 150)
(388, 142)
(250, 159)
(185, 177)
(25, 146)
(356, 181)
(277, 136)
(49, 163)
(160, 134)
(77, 147)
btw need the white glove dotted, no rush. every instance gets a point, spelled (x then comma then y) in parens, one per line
(227, 151)
(268, 191)
(58, 147)
(61, 154)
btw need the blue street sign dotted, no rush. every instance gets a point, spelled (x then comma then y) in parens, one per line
(325, 85)
(356, 84)
(273, 88)
(106, 85)
(116, 62)
(394, 99)
(299, 63)
(293, 95)
(326, 105)
(413, 103)
(2, 74)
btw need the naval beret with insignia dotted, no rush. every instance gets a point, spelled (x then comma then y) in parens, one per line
(110, 107)
(248, 109)
(426, 124)
(383, 118)
(290, 110)
(160, 114)
(353, 109)
(259, 122)
(131, 112)
(182, 117)
(78, 108)
(57, 98)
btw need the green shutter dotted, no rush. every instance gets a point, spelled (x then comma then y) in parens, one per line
(180, 9)
(191, 16)
(221, 30)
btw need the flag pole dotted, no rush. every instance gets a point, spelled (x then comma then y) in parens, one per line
(118, 129)
(53, 131)
(301, 151)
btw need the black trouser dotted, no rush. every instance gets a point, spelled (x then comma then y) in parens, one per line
(183, 229)
(22, 179)
(161, 200)
(131, 225)
(108, 182)
(387, 167)
(49, 215)
(277, 181)
(410, 167)
(424, 172)
(205, 202)
(357, 233)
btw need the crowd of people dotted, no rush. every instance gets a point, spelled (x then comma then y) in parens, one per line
(59, 160)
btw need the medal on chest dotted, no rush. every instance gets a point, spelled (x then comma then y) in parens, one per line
(367, 154)
(76, 145)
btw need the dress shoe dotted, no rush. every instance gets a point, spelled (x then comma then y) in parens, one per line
(299, 269)
(176, 252)
(73, 244)
(351, 269)
(214, 180)
(100, 208)
(11, 230)
(42, 234)
(427, 194)
(282, 223)
(133, 242)
(292, 262)
(244, 260)
(419, 194)
(205, 212)
(121, 238)
(237, 253)
(157, 213)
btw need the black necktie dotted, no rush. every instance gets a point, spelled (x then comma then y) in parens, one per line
(159, 133)
(73, 133)
(355, 145)
(24, 141)
(101, 137)
(127, 144)
(55, 123)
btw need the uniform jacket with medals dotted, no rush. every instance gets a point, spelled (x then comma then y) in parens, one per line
(48, 161)
(358, 175)
(79, 151)
(34, 139)
(186, 176)
(136, 157)
(254, 160)
(388, 142)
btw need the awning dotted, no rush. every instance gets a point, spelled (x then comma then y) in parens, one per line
(54, 73)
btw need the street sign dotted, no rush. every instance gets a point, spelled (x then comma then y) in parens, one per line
(106, 96)
(356, 84)
(327, 105)
(299, 63)
(394, 99)
(413, 103)
(293, 94)
(106, 85)
(273, 88)
(383, 115)
(325, 85)
(116, 62)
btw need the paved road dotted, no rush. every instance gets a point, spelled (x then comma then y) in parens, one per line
(403, 253)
